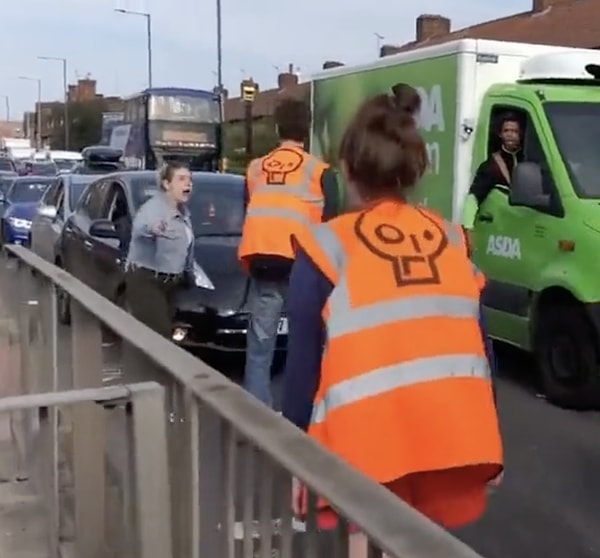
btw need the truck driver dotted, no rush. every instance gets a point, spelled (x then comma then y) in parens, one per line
(497, 169)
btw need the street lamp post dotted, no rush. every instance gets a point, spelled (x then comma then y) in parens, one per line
(219, 47)
(220, 86)
(7, 100)
(66, 92)
(148, 17)
(38, 140)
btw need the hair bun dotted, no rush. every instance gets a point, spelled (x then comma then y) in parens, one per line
(406, 99)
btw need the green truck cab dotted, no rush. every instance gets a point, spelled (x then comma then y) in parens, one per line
(534, 241)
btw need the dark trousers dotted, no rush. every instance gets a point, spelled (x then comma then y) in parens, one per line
(150, 298)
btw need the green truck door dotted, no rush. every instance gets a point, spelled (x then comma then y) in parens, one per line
(510, 243)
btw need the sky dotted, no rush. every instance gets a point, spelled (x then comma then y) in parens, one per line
(260, 39)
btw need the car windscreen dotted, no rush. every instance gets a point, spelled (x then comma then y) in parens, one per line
(64, 164)
(216, 204)
(30, 190)
(44, 169)
(78, 184)
(576, 129)
(5, 182)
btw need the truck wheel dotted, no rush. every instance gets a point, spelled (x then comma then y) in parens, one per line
(568, 356)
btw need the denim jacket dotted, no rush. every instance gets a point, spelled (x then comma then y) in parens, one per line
(167, 251)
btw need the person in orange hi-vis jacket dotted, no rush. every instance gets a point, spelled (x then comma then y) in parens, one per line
(403, 390)
(286, 191)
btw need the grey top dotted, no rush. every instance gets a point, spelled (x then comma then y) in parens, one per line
(161, 238)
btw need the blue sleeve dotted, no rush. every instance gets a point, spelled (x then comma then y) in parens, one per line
(307, 294)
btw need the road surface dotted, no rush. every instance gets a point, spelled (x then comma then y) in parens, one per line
(549, 503)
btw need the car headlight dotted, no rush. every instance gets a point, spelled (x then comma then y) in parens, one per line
(201, 279)
(19, 223)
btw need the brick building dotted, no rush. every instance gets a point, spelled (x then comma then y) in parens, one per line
(11, 129)
(570, 23)
(266, 101)
(52, 112)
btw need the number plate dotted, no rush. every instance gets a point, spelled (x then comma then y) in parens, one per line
(282, 328)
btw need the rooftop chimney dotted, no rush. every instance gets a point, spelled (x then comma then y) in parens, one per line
(429, 26)
(329, 64)
(388, 50)
(287, 79)
(541, 5)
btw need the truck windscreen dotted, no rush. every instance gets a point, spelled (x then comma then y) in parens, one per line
(576, 129)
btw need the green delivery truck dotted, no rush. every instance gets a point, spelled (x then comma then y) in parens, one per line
(539, 243)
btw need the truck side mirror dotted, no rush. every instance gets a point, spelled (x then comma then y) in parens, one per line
(526, 188)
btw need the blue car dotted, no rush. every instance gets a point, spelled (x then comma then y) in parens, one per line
(20, 205)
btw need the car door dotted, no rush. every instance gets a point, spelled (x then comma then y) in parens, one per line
(109, 254)
(45, 229)
(77, 242)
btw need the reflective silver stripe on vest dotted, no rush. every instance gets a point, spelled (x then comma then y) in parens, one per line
(279, 213)
(385, 379)
(300, 190)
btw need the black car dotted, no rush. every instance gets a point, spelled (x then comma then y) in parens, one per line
(94, 245)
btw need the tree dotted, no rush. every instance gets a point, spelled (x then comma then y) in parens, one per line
(85, 124)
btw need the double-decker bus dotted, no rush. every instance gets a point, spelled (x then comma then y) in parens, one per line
(169, 123)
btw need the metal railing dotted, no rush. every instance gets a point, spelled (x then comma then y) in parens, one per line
(231, 460)
(144, 411)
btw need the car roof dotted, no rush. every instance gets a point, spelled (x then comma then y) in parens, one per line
(35, 178)
(214, 176)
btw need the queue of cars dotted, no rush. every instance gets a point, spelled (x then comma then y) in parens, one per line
(83, 225)
(80, 220)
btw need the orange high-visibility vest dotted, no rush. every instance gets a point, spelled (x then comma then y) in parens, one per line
(460, 238)
(405, 383)
(285, 198)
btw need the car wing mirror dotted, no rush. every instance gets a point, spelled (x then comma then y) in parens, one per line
(103, 228)
(526, 188)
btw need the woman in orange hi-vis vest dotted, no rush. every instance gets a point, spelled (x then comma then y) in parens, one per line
(402, 388)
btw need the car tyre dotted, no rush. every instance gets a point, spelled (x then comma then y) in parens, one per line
(568, 356)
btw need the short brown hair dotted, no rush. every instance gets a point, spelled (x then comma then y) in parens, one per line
(168, 170)
(382, 149)
(292, 117)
